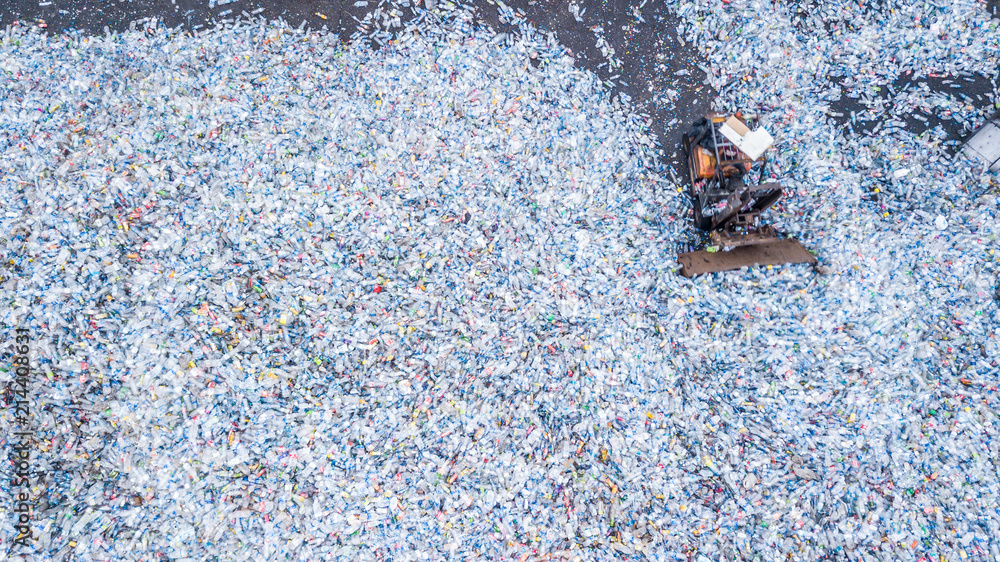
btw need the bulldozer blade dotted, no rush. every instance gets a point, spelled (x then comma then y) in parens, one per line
(770, 253)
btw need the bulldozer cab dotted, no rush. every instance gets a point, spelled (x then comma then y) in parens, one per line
(727, 186)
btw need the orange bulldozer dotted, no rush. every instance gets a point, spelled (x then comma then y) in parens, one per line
(727, 165)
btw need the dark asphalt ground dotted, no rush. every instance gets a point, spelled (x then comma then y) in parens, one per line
(650, 53)
(637, 46)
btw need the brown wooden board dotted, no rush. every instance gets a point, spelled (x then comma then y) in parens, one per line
(771, 253)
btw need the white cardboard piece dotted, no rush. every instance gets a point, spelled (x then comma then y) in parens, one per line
(752, 143)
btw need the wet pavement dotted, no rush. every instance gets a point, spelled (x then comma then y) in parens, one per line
(863, 116)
